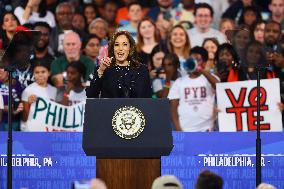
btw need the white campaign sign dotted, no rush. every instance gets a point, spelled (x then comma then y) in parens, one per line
(237, 102)
(49, 116)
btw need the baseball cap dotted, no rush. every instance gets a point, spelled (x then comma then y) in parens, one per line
(167, 182)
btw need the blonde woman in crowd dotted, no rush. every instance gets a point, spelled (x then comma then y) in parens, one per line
(178, 43)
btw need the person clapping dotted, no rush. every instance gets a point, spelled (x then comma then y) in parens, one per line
(120, 74)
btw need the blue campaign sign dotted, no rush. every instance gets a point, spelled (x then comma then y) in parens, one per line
(55, 160)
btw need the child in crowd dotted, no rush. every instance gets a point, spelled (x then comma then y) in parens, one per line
(226, 24)
(192, 97)
(74, 91)
(40, 88)
(17, 106)
(170, 65)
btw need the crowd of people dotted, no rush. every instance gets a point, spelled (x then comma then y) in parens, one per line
(176, 49)
(205, 180)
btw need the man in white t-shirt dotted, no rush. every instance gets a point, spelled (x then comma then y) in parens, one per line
(203, 13)
(192, 97)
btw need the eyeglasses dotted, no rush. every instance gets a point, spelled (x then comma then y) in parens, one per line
(203, 15)
(64, 13)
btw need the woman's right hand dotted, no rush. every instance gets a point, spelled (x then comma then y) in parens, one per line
(104, 63)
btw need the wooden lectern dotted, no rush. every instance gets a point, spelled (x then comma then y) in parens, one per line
(127, 158)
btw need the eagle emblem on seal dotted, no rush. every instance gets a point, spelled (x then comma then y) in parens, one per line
(128, 122)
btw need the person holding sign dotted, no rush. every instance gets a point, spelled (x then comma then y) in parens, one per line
(74, 91)
(120, 74)
(192, 97)
(40, 88)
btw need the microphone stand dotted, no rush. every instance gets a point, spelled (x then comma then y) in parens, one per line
(21, 41)
(258, 139)
(9, 69)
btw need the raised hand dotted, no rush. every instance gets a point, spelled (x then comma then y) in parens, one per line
(32, 99)
(19, 109)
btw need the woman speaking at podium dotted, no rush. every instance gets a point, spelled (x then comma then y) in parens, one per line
(120, 74)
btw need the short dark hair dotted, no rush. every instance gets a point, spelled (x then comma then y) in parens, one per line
(42, 24)
(203, 5)
(110, 2)
(200, 50)
(172, 57)
(64, 4)
(134, 3)
(88, 38)
(208, 179)
(36, 63)
(273, 22)
(79, 66)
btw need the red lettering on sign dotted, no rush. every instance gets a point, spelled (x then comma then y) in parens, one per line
(238, 108)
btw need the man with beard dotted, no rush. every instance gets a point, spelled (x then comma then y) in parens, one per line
(273, 50)
(274, 53)
(42, 52)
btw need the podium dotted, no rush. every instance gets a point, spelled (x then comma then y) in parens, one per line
(128, 138)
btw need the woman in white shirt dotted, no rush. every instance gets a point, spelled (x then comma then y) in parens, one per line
(35, 11)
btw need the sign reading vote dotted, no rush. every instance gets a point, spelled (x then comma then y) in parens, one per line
(51, 116)
(237, 102)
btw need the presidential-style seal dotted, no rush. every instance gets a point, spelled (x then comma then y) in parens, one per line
(128, 122)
